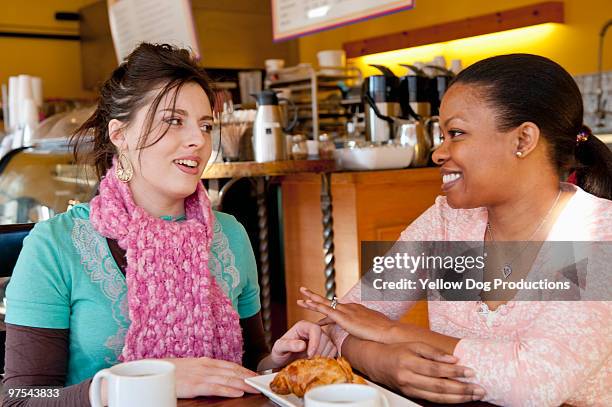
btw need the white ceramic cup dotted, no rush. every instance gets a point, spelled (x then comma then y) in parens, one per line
(345, 395)
(137, 383)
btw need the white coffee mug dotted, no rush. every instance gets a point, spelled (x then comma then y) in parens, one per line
(137, 383)
(345, 395)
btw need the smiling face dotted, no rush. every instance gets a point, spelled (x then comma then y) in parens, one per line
(478, 162)
(169, 167)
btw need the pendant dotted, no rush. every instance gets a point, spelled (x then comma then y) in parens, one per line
(506, 270)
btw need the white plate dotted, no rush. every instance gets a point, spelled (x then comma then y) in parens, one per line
(262, 383)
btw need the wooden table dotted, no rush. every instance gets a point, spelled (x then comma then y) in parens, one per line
(259, 400)
(261, 172)
(256, 400)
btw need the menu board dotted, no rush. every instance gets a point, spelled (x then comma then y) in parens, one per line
(293, 18)
(155, 21)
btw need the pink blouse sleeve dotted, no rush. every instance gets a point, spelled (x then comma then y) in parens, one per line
(426, 227)
(548, 361)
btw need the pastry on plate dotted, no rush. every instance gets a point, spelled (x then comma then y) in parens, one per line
(304, 374)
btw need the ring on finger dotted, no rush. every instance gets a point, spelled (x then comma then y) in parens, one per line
(334, 302)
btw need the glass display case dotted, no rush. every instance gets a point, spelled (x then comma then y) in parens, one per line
(40, 181)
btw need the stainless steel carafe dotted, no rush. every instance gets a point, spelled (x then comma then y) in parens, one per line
(380, 92)
(414, 93)
(438, 85)
(269, 143)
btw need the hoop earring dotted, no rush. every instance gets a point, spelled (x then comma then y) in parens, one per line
(124, 170)
(519, 154)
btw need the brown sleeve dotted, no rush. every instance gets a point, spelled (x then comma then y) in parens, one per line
(38, 358)
(255, 348)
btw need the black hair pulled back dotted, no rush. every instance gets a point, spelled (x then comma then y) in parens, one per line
(531, 88)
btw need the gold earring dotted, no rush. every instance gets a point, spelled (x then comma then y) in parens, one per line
(124, 170)
(519, 154)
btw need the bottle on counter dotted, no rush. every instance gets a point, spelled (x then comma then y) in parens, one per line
(299, 149)
(326, 147)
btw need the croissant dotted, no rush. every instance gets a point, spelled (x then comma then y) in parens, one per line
(304, 374)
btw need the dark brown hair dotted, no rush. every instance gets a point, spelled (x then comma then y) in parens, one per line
(530, 88)
(148, 67)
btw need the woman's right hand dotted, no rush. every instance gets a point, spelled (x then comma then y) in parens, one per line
(420, 370)
(210, 377)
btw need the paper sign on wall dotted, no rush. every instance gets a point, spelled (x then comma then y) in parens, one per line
(155, 21)
(293, 18)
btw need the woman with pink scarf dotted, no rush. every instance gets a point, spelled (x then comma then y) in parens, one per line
(146, 269)
(513, 129)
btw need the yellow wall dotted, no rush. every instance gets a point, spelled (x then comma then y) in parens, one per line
(573, 44)
(236, 34)
(57, 62)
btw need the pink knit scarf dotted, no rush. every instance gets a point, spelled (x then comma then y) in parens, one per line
(176, 307)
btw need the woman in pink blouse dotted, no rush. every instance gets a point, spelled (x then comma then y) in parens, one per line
(512, 128)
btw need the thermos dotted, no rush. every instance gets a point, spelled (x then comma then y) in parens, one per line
(383, 92)
(415, 93)
(269, 143)
(414, 127)
(438, 85)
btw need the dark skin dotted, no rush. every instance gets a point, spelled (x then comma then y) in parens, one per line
(518, 190)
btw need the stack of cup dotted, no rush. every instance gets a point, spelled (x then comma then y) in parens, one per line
(332, 58)
(24, 101)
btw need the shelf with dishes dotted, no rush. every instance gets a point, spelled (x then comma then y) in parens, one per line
(305, 73)
(320, 95)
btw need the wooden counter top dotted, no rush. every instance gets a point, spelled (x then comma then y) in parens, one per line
(308, 170)
(412, 175)
(254, 169)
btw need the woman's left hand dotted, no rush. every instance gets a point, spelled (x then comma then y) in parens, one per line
(305, 339)
(356, 319)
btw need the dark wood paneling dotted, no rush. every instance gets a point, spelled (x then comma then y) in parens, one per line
(548, 12)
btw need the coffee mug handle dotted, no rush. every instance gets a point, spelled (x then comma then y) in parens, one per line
(95, 388)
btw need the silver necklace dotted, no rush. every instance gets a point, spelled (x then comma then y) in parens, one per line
(507, 267)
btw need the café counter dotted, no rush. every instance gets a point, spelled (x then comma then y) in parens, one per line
(366, 206)
(326, 214)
